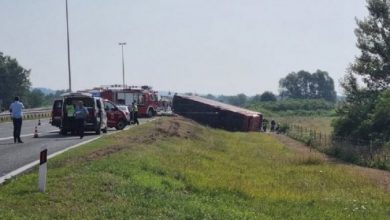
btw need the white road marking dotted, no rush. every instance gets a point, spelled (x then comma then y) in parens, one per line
(25, 135)
(9, 138)
(32, 164)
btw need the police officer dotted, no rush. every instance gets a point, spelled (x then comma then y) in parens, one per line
(81, 113)
(69, 121)
(134, 108)
(16, 114)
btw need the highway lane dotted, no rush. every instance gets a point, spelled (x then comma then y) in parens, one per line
(28, 126)
(14, 156)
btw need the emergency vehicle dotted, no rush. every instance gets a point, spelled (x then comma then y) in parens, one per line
(144, 96)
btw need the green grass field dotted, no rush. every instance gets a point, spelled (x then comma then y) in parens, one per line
(319, 123)
(174, 169)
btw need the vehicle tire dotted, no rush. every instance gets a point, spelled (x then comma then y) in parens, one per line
(150, 113)
(104, 130)
(121, 125)
(98, 129)
(63, 131)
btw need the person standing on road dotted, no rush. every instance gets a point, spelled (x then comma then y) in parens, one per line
(69, 121)
(80, 115)
(16, 114)
(134, 108)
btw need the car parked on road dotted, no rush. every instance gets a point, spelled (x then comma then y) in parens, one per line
(115, 116)
(97, 117)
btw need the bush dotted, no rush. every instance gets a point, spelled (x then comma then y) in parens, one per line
(284, 128)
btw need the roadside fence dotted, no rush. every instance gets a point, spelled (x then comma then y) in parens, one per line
(368, 153)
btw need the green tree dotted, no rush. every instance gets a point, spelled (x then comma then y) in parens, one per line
(305, 85)
(238, 100)
(362, 115)
(210, 96)
(256, 98)
(381, 116)
(14, 80)
(35, 99)
(373, 40)
(267, 97)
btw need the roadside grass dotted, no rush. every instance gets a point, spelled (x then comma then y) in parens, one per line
(175, 169)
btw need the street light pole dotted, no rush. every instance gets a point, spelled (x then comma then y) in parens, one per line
(123, 65)
(67, 35)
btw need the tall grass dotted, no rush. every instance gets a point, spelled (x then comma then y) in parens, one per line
(319, 123)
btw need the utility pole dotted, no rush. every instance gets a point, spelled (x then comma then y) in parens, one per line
(67, 34)
(123, 65)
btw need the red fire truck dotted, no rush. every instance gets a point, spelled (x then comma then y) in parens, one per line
(145, 97)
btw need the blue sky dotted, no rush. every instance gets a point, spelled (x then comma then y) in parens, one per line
(203, 46)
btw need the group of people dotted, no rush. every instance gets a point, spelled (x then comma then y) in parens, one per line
(274, 125)
(75, 115)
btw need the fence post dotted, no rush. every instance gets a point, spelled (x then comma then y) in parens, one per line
(324, 137)
(371, 149)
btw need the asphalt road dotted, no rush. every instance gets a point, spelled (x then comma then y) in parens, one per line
(28, 126)
(14, 156)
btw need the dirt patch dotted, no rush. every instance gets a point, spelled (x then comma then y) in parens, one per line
(379, 177)
(103, 152)
(173, 127)
(176, 127)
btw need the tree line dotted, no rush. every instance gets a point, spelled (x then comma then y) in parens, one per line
(300, 93)
(15, 81)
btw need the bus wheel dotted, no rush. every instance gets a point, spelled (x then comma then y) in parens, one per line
(63, 131)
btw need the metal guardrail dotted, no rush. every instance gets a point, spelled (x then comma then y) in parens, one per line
(26, 111)
(29, 114)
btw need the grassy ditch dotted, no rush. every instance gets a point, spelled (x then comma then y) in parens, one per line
(173, 168)
(316, 132)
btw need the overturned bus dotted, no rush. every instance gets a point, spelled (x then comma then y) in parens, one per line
(217, 114)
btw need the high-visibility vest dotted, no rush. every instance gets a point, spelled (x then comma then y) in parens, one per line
(135, 108)
(69, 110)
